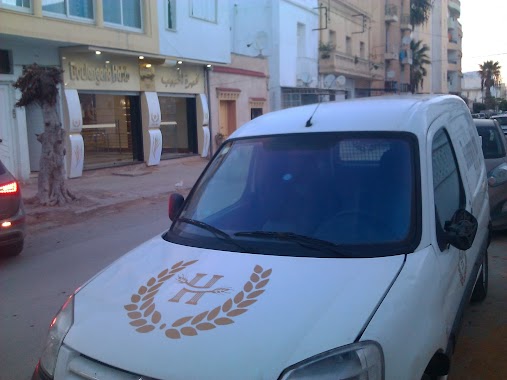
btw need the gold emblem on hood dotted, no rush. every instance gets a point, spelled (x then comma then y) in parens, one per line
(146, 318)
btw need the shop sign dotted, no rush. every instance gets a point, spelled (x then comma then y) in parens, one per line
(180, 79)
(111, 73)
(107, 73)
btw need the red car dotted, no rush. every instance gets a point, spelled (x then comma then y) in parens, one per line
(12, 214)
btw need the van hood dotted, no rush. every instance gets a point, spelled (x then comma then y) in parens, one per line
(169, 311)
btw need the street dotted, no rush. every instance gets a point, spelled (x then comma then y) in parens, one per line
(56, 261)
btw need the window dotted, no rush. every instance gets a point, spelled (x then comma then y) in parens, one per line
(361, 49)
(204, 9)
(255, 112)
(301, 40)
(447, 185)
(27, 4)
(123, 12)
(74, 8)
(332, 38)
(348, 45)
(299, 183)
(171, 14)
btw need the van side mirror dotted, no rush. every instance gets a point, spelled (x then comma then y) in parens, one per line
(461, 229)
(176, 201)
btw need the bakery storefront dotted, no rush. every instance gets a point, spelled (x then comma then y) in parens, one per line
(108, 88)
(121, 109)
(179, 88)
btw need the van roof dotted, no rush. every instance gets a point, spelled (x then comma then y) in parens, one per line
(381, 113)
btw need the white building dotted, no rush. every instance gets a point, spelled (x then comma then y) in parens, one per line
(286, 32)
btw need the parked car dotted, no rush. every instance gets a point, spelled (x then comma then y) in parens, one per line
(494, 148)
(339, 240)
(502, 120)
(479, 115)
(12, 214)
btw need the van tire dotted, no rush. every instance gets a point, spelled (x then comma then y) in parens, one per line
(481, 286)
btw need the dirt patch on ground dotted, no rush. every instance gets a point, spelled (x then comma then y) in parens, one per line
(40, 218)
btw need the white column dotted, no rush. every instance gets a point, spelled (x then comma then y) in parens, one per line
(203, 137)
(73, 124)
(152, 137)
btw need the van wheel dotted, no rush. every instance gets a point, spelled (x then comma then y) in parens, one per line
(15, 249)
(481, 286)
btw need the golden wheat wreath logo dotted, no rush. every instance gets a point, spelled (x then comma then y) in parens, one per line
(146, 318)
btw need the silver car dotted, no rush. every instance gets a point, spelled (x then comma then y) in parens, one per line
(12, 214)
(502, 121)
(494, 148)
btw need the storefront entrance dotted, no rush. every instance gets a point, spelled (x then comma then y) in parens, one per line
(178, 126)
(111, 132)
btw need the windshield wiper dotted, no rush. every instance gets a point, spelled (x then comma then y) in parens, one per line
(303, 240)
(215, 231)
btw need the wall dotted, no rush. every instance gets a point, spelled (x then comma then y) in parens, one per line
(194, 38)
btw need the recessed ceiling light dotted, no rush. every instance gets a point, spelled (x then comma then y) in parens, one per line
(64, 57)
(148, 65)
(141, 57)
(98, 52)
(107, 61)
(208, 65)
(180, 62)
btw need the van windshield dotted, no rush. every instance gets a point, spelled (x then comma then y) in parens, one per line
(318, 195)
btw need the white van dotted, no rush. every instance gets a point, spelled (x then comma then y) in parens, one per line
(339, 240)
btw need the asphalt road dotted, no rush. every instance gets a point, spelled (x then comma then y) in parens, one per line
(56, 261)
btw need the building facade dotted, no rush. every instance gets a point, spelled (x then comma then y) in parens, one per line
(135, 78)
(286, 33)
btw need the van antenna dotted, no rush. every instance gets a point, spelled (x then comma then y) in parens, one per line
(309, 121)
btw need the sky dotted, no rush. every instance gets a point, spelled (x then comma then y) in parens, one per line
(484, 24)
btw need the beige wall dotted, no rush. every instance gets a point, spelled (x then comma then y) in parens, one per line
(41, 26)
(250, 86)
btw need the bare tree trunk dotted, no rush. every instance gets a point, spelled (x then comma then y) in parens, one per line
(52, 189)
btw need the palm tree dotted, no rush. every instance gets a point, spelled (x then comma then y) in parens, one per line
(420, 11)
(490, 76)
(419, 60)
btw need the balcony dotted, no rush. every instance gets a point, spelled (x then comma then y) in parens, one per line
(452, 23)
(405, 22)
(453, 45)
(345, 64)
(391, 55)
(455, 8)
(391, 13)
(406, 57)
(453, 65)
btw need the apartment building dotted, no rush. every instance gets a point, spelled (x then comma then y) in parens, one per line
(135, 78)
(443, 35)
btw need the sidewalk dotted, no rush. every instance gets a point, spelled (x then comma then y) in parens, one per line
(103, 188)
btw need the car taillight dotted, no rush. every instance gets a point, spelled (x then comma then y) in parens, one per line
(9, 188)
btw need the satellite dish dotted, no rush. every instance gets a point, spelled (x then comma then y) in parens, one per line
(341, 80)
(329, 80)
(261, 41)
(306, 78)
(390, 74)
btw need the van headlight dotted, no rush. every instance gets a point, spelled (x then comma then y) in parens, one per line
(498, 175)
(59, 327)
(363, 360)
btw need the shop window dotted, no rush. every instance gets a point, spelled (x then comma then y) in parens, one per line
(171, 14)
(20, 4)
(204, 9)
(174, 126)
(69, 8)
(123, 12)
(5, 62)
